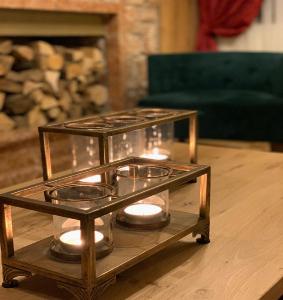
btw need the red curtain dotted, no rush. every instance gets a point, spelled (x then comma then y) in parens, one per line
(224, 18)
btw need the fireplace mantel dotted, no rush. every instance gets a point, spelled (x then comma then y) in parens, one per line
(63, 5)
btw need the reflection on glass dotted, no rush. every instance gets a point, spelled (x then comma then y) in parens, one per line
(126, 144)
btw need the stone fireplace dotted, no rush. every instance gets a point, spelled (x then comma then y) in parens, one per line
(119, 34)
(54, 66)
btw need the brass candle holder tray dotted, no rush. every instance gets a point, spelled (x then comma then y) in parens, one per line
(104, 126)
(88, 278)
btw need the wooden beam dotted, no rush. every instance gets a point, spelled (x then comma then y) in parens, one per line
(178, 25)
(116, 61)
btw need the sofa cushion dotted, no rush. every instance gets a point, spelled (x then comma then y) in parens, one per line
(246, 114)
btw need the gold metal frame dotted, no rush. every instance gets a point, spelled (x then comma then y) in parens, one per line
(87, 280)
(151, 116)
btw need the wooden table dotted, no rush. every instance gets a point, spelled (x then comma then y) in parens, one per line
(244, 259)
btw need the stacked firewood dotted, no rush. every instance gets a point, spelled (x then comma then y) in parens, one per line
(41, 83)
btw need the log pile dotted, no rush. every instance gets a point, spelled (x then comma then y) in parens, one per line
(41, 83)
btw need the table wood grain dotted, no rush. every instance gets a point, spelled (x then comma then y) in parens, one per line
(243, 261)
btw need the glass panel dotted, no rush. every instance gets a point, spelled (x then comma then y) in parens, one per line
(159, 142)
(72, 153)
(60, 153)
(126, 144)
(85, 152)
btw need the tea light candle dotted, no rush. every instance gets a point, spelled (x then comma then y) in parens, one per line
(142, 209)
(92, 179)
(142, 213)
(72, 239)
(155, 154)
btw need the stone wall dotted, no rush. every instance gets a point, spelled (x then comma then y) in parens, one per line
(141, 39)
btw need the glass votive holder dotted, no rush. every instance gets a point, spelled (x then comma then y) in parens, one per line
(151, 212)
(67, 243)
(159, 138)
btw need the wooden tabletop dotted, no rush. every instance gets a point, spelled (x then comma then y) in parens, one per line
(244, 259)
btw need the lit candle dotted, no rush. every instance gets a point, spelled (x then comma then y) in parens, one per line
(73, 238)
(140, 215)
(142, 209)
(91, 179)
(155, 154)
(144, 215)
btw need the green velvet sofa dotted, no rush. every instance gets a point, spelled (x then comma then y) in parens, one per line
(239, 95)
